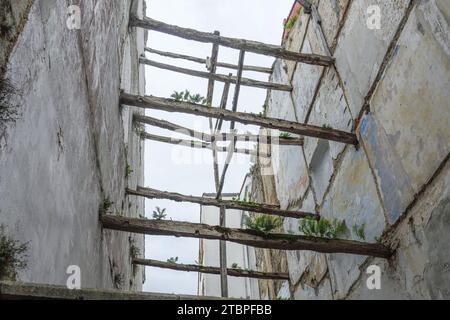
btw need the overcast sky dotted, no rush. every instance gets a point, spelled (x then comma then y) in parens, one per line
(180, 169)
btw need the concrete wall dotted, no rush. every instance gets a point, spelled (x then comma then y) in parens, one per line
(390, 86)
(69, 149)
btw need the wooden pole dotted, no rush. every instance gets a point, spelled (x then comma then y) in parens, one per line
(212, 270)
(223, 254)
(217, 77)
(198, 144)
(245, 118)
(237, 90)
(223, 103)
(31, 291)
(242, 236)
(203, 61)
(232, 124)
(228, 204)
(206, 137)
(209, 99)
(240, 44)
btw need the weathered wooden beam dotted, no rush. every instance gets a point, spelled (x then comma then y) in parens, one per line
(243, 236)
(169, 105)
(217, 77)
(163, 124)
(212, 270)
(223, 104)
(211, 66)
(229, 204)
(32, 291)
(237, 90)
(223, 255)
(240, 44)
(203, 61)
(198, 144)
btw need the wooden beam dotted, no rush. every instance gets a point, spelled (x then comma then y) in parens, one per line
(229, 204)
(206, 137)
(198, 144)
(169, 105)
(217, 77)
(203, 61)
(223, 254)
(31, 291)
(212, 270)
(237, 90)
(211, 65)
(240, 44)
(243, 236)
(223, 103)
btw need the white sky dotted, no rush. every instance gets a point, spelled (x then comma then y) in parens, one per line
(180, 169)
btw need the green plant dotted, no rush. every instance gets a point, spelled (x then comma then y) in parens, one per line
(322, 228)
(264, 223)
(292, 20)
(128, 170)
(13, 256)
(139, 129)
(360, 231)
(236, 266)
(379, 239)
(186, 96)
(107, 204)
(135, 252)
(285, 135)
(172, 260)
(159, 214)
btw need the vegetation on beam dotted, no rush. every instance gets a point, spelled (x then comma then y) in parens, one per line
(246, 237)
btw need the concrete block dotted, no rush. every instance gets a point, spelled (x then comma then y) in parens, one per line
(360, 51)
(421, 267)
(394, 183)
(323, 292)
(289, 168)
(304, 83)
(330, 110)
(308, 265)
(412, 100)
(295, 40)
(353, 198)
(331, 14)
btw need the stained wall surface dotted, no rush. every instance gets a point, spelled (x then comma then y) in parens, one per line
(68, 151)
(390, 87)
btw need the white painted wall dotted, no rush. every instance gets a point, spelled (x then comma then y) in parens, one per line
(244, 256)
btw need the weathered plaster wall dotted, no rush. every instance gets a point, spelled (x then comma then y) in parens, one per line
(68, 151)
(12, 19)
(390, 86)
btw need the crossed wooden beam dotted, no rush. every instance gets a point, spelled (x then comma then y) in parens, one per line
(209, 141)
(170, 105)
